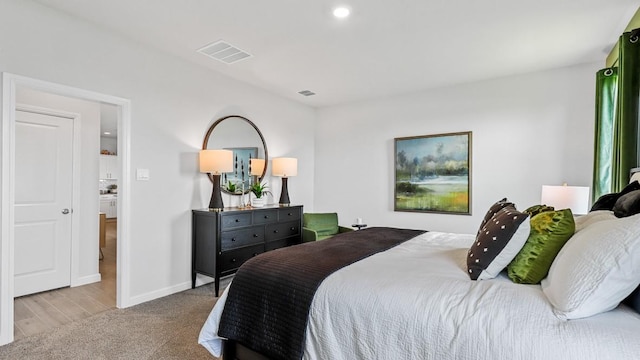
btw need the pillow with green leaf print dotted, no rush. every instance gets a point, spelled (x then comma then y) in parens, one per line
(550, 230)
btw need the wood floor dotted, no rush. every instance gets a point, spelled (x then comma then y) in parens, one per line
(41, 312)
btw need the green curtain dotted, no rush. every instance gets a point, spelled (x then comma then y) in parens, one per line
(617, 118)
(606, 98)
(625, 138)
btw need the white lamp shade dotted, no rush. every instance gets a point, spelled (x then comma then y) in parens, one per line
(635, 176)
(216, 161)
(575, 198)
(257, 166)
(284, 167)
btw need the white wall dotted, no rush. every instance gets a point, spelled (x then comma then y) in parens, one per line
(173, 104)
(87, 190)
(528, 130)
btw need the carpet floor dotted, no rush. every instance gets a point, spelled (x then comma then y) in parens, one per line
(166, 328)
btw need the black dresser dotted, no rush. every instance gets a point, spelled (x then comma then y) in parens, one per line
(222, 241)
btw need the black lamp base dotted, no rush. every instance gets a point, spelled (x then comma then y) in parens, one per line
(284, 194)
(216, 196)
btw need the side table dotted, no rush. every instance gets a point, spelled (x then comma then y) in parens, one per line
(359, 226)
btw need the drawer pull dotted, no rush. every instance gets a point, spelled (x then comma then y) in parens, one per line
(290, 214)
(233, 260)
(233, 239)
(293, 229)
(275, 231)
(255, 254)
(255, 235)
(266, 216)
(237, 220)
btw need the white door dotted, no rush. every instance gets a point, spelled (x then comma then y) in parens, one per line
(43, 197)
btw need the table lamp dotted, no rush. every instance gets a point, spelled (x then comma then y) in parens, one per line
(284, 167)
(634, 174)
(257, 167)
(575, 198)
(216, 162)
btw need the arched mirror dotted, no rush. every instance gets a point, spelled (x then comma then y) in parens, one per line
(240, 135)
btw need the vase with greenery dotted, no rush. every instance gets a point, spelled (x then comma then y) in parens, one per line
(231, 187)
(259, 190)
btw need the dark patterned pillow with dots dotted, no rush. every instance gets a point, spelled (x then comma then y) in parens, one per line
(494, 209)
(498, 241)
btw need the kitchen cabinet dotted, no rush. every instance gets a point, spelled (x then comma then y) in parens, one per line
(109, 167)
(109, 206)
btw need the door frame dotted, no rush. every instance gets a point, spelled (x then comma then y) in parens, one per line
(7, 158)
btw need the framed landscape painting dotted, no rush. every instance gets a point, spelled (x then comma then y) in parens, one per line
(433, 173)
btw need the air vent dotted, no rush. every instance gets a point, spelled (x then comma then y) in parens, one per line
(306, 92)
(224, 52)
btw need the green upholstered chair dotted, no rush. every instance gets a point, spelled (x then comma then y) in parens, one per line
(320, 226)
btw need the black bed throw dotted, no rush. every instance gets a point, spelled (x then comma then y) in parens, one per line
(270, 297)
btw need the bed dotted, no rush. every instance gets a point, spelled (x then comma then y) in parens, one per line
(415, 300)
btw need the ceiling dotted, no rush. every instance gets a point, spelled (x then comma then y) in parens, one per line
(384, 48)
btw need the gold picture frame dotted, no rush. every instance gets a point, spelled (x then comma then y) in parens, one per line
(433, 173)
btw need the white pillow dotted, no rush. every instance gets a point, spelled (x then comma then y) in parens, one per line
(592, 218)
(596, 269)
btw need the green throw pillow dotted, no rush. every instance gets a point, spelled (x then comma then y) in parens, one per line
(550, 230)
(537, 209)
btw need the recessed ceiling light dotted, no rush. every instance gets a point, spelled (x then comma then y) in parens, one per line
(341, 12)
(107, 133)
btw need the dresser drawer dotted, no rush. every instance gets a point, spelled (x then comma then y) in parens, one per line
(265, 216)
(272, 245)
(282, 230)
(288, 214)
(242, 237)
(230, 260)
(235, 220)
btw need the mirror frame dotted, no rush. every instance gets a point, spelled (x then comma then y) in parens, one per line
(264, 145)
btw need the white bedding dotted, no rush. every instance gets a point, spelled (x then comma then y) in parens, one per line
(416, 301)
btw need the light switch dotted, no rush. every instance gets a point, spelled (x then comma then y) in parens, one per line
(142, 174)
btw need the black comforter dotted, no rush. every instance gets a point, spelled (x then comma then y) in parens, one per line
(269, 300)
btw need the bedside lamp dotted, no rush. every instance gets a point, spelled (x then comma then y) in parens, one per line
(575, 198)
(635, 175)
(257, 167)
(216, 162)
(284, 167)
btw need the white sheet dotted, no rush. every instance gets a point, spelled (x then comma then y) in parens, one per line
(416, 301)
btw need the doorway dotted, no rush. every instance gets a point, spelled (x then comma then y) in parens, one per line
(43, 294)
(10, 84)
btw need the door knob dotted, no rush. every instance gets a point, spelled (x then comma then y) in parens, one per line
(65, 211)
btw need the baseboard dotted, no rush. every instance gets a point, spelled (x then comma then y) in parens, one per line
(200, 280)
(86, 280)
(139, 299)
